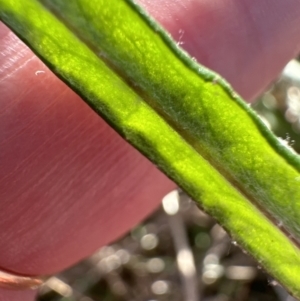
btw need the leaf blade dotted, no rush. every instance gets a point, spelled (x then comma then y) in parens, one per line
(199, 107)
(121, 105)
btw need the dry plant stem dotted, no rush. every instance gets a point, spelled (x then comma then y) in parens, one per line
(184, 255)
(17, 282)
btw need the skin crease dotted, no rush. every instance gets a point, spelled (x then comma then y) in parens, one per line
(68, 183)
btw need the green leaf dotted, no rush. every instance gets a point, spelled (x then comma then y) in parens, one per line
(182, 116)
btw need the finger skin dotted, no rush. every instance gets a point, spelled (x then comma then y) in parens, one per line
(68, 182)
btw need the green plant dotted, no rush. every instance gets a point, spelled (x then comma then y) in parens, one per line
(183, 117)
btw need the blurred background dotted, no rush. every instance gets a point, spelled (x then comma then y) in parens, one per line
(180, 253)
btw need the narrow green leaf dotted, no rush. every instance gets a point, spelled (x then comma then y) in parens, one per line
(183, 117)
(206, 114)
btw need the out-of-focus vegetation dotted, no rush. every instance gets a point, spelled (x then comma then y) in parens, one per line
(280, 106)
(180, 253)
